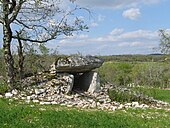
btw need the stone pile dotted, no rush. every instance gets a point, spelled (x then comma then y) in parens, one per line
(51, 95)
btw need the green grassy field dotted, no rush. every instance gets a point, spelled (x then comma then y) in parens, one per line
(159, 94)
(19, 115)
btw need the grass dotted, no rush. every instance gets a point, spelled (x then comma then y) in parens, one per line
(163, 95)
(20, 115)
(156, 93)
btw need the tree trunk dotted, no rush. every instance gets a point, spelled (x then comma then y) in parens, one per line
(9, 62)
(7, 38)
(20, 58)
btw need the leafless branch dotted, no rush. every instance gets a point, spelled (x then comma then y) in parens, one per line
(16, 10)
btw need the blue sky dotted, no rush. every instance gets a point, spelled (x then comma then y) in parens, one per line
(118, 27)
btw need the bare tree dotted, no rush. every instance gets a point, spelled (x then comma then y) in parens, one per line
(42, 20)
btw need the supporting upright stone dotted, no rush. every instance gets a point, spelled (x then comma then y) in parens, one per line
(95, 82)
(89, 82)
(69, 81)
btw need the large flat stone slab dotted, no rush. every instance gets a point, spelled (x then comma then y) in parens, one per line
(77, 64)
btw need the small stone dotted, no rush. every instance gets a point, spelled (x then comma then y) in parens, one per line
(90, 100)
(43, 103)
(23, 98)
(98, 104)
(120, 106)
(33, 96)
(144, 106)
(85, 106)
(39, 91)
(69, 97)
(54, 102)
(93, 105)
(28, 97)
(35, 101)
(49, 98)
(27, 101)
(101, 101)
(135, 104)
(8, 95)
(69, 105)
(15, 98)
(42, 109)
(113, 108)
(15, 92)
(128, 104)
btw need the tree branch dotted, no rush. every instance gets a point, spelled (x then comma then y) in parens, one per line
(16, 10)
(33, 40)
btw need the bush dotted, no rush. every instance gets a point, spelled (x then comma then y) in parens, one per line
(3, 87)
(123, 94)
(120, 95)
(153, 74)
(116, 73)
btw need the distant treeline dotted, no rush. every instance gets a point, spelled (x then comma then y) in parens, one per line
(136, 58)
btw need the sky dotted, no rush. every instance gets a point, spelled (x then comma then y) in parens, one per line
(118, 27)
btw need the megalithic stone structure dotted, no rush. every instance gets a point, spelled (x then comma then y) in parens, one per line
(81, 68)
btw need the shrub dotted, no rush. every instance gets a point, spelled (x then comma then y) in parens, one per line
(123, 94)
(3, 87)
(116, 73)
(152, 74)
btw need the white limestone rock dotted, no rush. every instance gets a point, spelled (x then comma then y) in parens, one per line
(14, 92)
(135, 104)
(8, 95)
(35, 101)
(39, 91)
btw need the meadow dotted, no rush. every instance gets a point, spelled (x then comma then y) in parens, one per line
(20, 115)
(149, 77)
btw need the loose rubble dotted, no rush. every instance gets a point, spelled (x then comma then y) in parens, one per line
(52, 95)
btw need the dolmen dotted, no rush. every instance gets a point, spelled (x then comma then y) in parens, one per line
(79, 72)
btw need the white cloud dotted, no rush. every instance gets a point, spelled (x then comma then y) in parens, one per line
(114, 4)
(132, 13)
(100, 18)
(93, 24)
(138, 34)
(116, 31)
(130, 44)
(118, 35)
(83, 36)
(118, 41)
